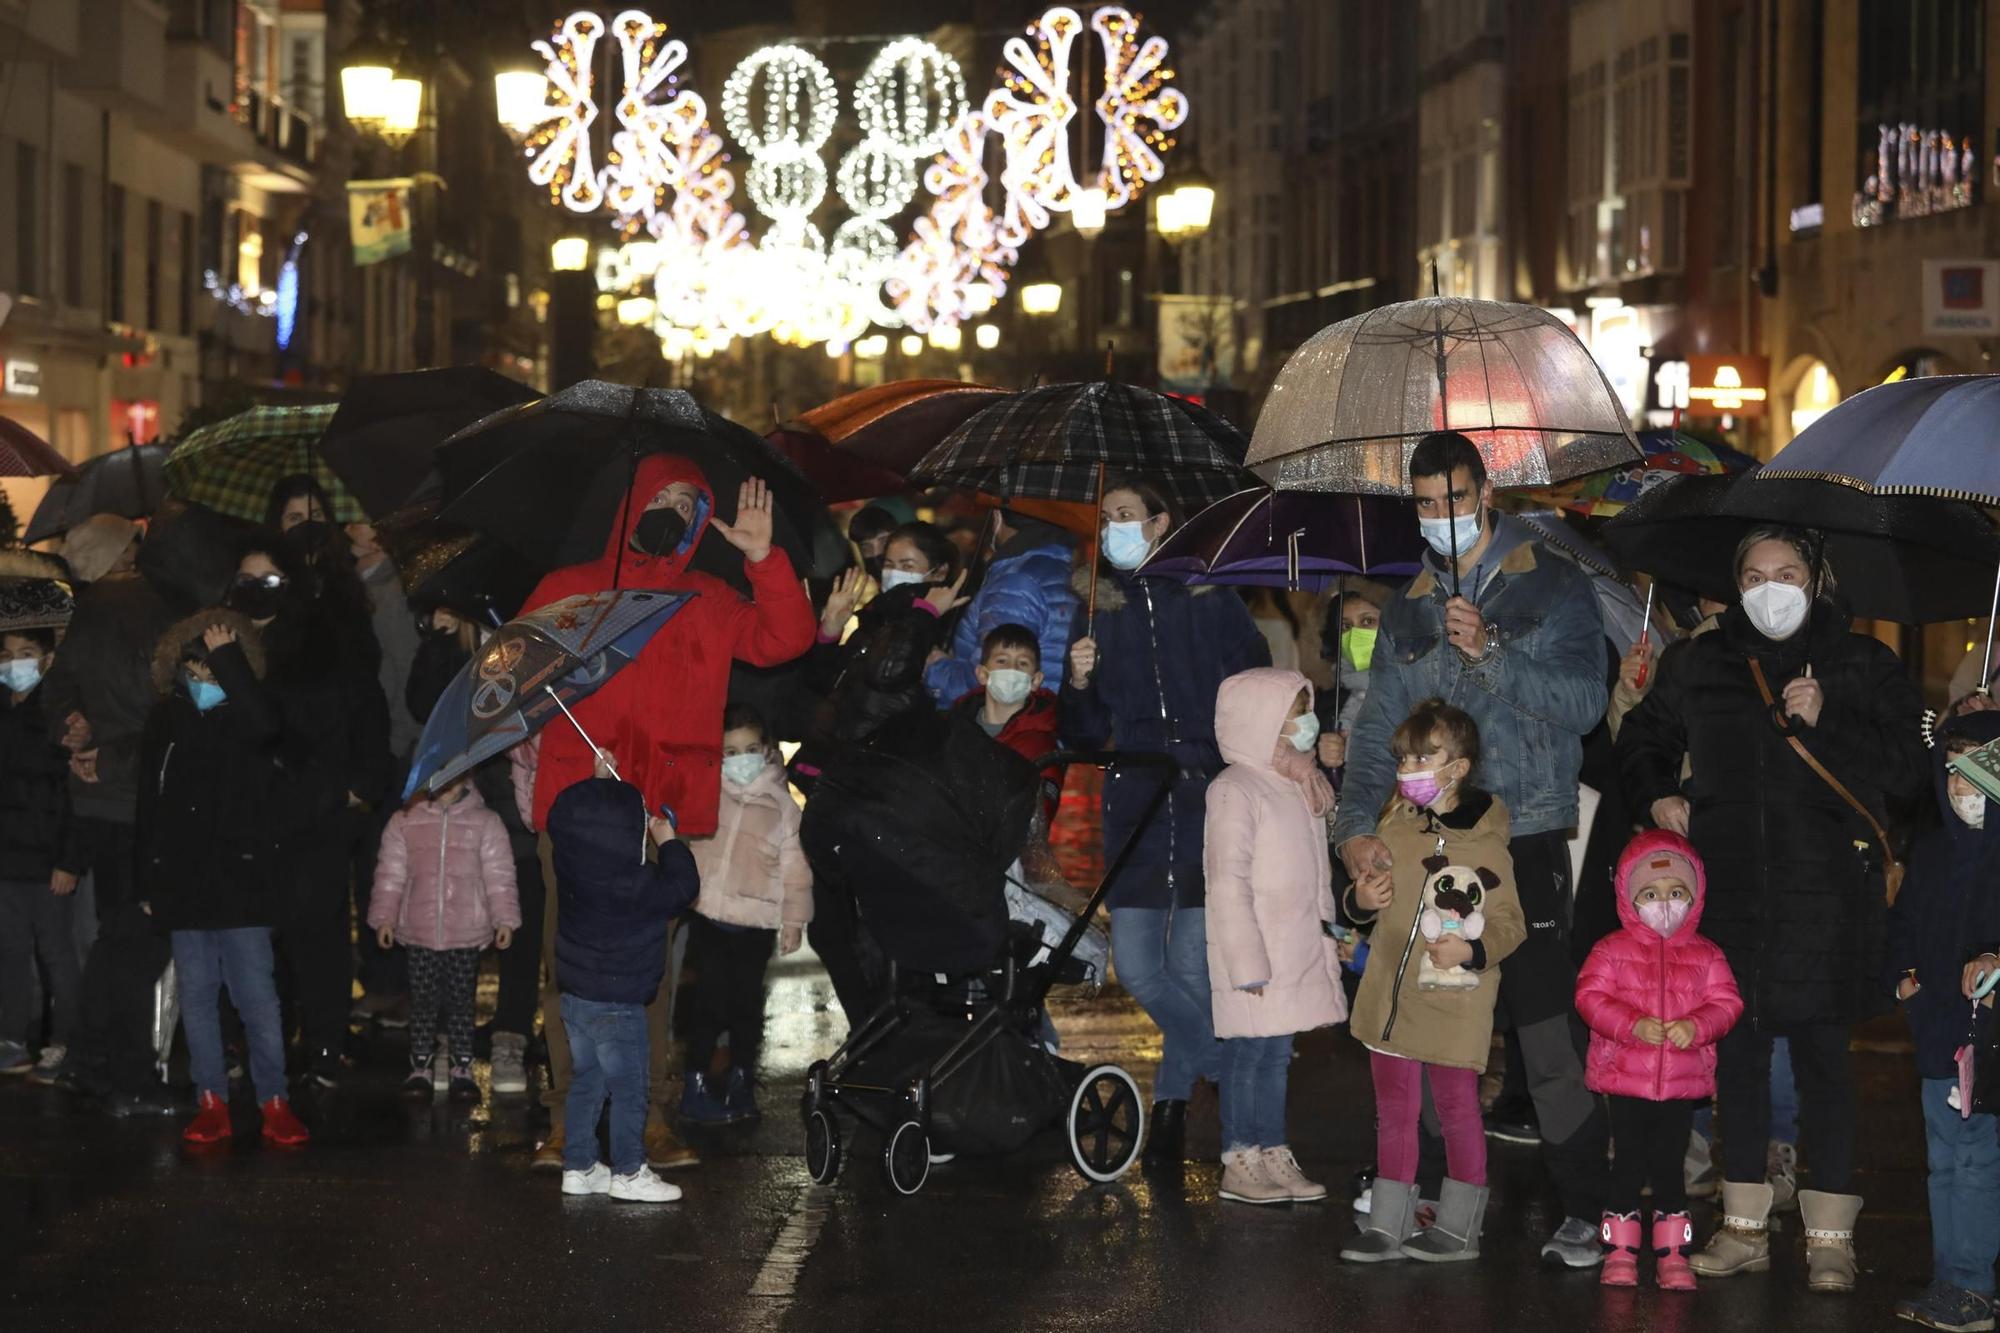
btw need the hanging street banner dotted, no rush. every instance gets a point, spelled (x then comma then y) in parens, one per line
(378, 219)
(1197, 342)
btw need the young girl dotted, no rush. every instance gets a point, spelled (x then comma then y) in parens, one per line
(209, 863)
(1271, 964)
(1448, 837)
(444, 889)
(756, 891)
(1657, 997)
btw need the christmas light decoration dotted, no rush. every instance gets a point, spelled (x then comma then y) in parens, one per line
(559, 148)
(1138, 108)
(910, 96)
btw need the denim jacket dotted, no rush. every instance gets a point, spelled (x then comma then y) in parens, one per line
(1534, 697)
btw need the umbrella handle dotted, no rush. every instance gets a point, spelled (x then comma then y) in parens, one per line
(595, 748)
(1096, 550)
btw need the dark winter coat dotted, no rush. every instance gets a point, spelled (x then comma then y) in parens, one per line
(335, 723)
(38, 832)
(614, 901)
(209, 830)
(1163, 649)
(1947, 914)
(1028, 584)
(1795, 889)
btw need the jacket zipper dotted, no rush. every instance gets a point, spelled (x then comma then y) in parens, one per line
(1660, 1065)
(1409, 947)
(444, 844)
(1763, 894)
(1166, 724)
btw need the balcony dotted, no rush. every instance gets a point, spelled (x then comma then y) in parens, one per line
(124, 71)
(263, 140)
(41, 31)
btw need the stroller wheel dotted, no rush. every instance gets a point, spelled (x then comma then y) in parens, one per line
(822, 1147)
(1107, 1124)
(906, 1157)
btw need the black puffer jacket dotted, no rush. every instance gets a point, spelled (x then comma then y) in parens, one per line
(38, 834)
(1798, 908)
(328, 693)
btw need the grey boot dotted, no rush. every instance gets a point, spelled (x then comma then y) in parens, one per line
(1454, 1237)
(1392, 1209)
(1742, 1244)
(1829, 1220)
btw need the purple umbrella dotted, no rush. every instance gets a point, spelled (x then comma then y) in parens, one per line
(1291, 539)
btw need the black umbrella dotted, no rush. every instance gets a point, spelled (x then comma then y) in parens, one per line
(127, 482)
(382, 440)
(549, 478)
(443, 565)
(1904, 558)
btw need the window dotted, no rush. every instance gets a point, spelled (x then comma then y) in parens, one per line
(72, 234)
(1731, 93)
(114, 252)
(27, 219)
(1807, 188)
(1920, 97)
(155, 224)
(187, 275)
(249, 255)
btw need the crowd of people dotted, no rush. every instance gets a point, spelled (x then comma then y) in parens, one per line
(206, 728)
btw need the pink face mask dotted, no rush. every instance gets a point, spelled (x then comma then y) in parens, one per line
(1420, 788)
(1664, 915)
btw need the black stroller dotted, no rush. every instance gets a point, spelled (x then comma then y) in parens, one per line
(954, 1061)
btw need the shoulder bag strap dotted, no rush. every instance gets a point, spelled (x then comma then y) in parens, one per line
(1839, 788)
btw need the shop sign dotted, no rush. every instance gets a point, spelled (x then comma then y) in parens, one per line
(1961, 297)
(1715, 386)
(23, 379)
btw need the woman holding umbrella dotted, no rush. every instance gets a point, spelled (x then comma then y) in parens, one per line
(1145, 659)
(1798, 732)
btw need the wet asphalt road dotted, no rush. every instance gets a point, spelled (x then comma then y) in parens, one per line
(429, 1218)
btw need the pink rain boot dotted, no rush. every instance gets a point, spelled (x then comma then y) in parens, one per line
(1620, 1234)
(1673, 1236)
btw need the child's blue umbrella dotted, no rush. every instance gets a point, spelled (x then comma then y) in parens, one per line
(531, 671)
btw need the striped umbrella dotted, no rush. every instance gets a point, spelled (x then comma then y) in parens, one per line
(26, 454)
(232, 465)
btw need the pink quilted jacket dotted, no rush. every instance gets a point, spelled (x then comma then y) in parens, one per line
(444, 877)
(1636, 973)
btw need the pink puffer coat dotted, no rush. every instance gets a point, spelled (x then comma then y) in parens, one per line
(444, 877)
(1269, 880)
(1637, 973)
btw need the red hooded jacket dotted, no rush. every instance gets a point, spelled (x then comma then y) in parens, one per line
(661, 717)
(1636, 973)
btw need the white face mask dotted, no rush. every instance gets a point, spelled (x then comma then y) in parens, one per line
(1006, 685)
(20, 674)
(1302, 731)
(1451, 537)
(1971, 808)
(1776, 609)
(1126, 545)
(740, 770)
(897, 578)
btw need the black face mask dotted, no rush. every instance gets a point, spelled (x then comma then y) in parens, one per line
(658, 531)
(257, 598)
(309, 537)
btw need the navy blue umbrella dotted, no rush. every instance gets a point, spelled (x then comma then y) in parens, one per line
(1291, 539)
(1938, 436)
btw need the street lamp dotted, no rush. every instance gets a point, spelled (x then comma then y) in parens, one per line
(946, 337)
(364, 83)
(1087, 210)
(402, 111)
(570, 254)
(1183, 210)
(1041, 298)
(912, 345)
(521, 99)
(987, 336)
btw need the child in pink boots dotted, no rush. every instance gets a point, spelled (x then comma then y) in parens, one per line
(1657, 997)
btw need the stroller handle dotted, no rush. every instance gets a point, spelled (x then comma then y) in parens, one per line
(1161, 764)
(1106, 759)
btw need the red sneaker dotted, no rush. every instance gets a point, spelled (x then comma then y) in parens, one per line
(282, 1129)
(210, 1124)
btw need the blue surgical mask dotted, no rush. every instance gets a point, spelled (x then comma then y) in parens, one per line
(1451, 537)
(1125, 544)
(740, 770)
(20, 674)
(1303, 731)
(900, 578)
(205, 693)
(1006, 685)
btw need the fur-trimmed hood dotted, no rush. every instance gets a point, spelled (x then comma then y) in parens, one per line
(167, 653)
(1111, 586)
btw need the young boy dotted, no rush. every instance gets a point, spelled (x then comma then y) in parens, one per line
(613, 908)
(40, 854)
(1011, 706)
(756, 891)
(1948, 910)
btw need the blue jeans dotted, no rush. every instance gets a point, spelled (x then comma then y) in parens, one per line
(204, 962)
(1965, 1184)
(1162, 959)
(1255, 1071)
(608, 1056)
(1784, 1099)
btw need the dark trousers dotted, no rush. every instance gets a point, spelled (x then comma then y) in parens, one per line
(1648, 1141)
(115, 1035)
(729, 966)
(316, 940)
(1825, 1073)
(36, 924)
(444, 986)
(836, 936)
(381, 971)
(1537, 997)
(521, 963)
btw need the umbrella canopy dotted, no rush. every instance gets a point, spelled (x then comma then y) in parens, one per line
(233, 465)
(1668, 454)
(1623, 611)
(1347, 409)
(838, 476)
(1910, 559)
(441, 565)
(1051, 442)
(529, 672)
(381, 440)
(549, 478)
(1936, 436)
(128, 482)
(893, 425)
(1289, 539)
(26, 454)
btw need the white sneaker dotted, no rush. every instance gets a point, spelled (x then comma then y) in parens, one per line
(597, 1180)
(642, 1186)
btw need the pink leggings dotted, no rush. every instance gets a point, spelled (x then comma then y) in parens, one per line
(1399, 1104)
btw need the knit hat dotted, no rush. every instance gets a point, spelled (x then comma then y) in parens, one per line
(34, 592)
(1659, 861)
(94, 545)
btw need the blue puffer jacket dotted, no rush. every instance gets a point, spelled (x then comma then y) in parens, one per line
(1027, 585)
(1534, 698)
(613, 902)
(1162, 651)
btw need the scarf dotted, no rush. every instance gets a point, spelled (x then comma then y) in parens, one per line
(1301, 768)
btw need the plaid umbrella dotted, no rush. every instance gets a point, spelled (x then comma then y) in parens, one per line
(1050, 443)
(26, 454)
(233, 465)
